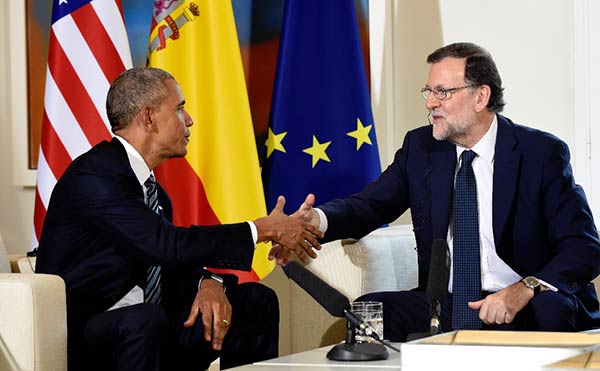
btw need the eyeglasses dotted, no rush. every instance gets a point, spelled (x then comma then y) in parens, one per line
(442, 93)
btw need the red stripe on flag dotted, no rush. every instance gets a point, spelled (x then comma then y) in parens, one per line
(99, 42)
(39, 214)
(54, 150)
(75, 94)
(185, 188)
(64, 73)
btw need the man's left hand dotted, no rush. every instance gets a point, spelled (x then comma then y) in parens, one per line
(501, 307)
(281, 253)
(215, 309)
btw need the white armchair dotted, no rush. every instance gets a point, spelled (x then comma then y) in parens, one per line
(33, 317)
(385, 260)
(33, 323)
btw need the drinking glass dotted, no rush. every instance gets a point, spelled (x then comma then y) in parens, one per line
(371, 312)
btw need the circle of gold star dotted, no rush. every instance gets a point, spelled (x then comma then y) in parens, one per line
(273, 142)
(361, 134)
(317, 151)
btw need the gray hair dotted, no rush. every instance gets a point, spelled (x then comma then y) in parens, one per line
(133, 90)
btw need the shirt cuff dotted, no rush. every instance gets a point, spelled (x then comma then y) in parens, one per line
(547, 285)
(323, 225)
(254, 232)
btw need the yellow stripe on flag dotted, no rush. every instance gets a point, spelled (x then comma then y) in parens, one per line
(196, 41)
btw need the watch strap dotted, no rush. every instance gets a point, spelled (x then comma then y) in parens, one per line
(536, 286)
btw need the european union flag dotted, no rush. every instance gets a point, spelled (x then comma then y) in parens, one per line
(321, 137)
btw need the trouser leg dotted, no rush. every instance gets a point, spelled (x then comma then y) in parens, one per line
(130, 338)
(252, 336)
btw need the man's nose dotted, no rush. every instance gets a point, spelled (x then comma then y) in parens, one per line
(431, 102)
(188, 121)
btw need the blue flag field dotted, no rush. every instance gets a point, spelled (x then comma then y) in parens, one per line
(321, 138)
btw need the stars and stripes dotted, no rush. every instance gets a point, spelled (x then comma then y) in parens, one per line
(88, 49)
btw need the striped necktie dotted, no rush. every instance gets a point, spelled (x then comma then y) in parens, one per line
(466, 276)
(152, 290)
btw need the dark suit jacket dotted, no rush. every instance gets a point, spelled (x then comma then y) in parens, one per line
(542, 223)
(100, 237)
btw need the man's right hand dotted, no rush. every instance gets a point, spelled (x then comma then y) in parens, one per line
(306, 212)
(293, 233)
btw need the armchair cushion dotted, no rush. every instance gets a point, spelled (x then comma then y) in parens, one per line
(389, 260)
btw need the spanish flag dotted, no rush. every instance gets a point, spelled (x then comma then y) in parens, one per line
(219, 180)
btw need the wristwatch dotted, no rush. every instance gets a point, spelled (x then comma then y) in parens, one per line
(213, 277)
(534, 284)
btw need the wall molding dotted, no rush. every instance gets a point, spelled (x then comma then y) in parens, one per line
(586, 75)
(17, 44)
(382, 76)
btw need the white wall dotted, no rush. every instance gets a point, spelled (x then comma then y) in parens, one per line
(532, 44)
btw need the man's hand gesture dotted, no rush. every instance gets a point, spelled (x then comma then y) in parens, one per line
(292, 233)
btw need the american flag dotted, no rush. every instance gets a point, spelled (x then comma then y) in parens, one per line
(88, 49)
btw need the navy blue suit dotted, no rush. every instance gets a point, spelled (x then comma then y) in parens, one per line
(100, 237)
(542, 223)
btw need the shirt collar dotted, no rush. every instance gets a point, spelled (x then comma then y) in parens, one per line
(136, 161)
(485, 148)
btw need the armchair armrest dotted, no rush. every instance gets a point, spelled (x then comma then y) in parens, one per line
(33, 323)
(13, 261)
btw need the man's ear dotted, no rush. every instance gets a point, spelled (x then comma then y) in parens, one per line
(483, 98)
(148, 116)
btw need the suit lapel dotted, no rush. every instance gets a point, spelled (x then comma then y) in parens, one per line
(506, 168)
(443, 165)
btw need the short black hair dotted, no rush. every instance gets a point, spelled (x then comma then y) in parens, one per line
(131, 91)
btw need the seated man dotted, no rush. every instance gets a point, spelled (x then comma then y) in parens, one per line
(137, 295)
(522, 239)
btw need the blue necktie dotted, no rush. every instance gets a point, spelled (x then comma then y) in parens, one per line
(466, 278)
(152, 290)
